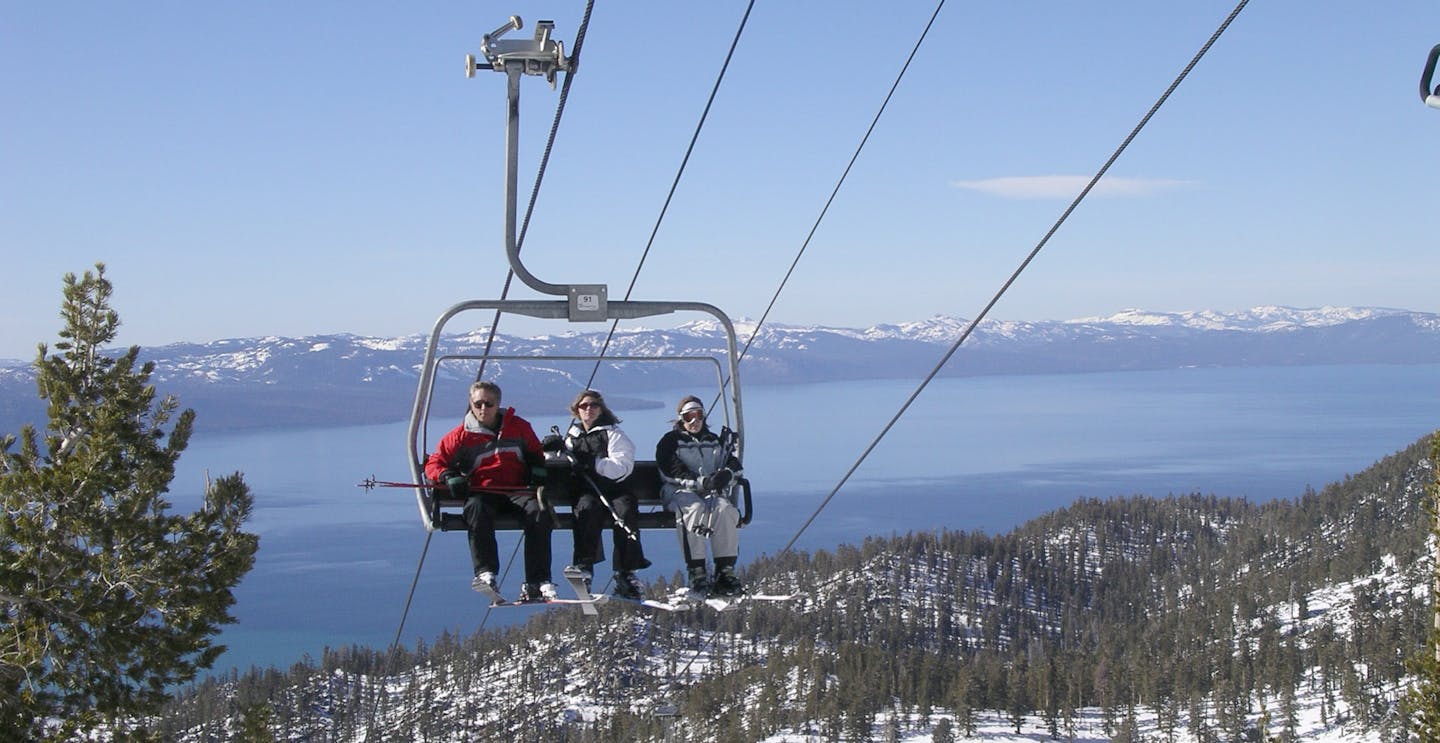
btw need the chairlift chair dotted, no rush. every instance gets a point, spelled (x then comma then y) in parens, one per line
(542, 56)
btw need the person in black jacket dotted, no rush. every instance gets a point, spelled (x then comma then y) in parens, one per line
(698, 473)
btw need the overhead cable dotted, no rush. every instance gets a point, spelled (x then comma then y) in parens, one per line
(754, 333)
(1008, 282)
(510, 275)
(833, 192)
(675, 184)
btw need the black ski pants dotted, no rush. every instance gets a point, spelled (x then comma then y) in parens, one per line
(480, 511)
(591, 517)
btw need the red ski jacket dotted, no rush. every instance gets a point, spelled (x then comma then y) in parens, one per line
(499, 460)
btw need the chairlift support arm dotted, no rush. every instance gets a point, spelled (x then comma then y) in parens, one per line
(1429, 92)
(538, 56)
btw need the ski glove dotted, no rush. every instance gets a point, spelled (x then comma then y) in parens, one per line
(458, 484)
(716, 480)
(552, 443)
(583, 460)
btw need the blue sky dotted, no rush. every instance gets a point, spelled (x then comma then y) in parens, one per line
(251, 169)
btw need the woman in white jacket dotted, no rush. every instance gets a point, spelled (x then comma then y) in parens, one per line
(604, 456)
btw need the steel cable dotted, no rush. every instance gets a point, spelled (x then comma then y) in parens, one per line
(836, 190)
(1008, 282)
(675, 184)
(510, 276)
(855, 156)
(1011, 280)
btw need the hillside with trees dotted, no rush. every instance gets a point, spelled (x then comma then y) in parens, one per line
(1207, 616)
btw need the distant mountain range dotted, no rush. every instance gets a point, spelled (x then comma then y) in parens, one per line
(344, 378)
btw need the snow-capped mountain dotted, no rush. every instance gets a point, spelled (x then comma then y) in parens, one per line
(350, 378)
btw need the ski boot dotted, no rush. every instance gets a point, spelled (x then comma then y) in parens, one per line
(628, 586)
(699, 582)
(484, 582)
(726, 583)
(537, 592)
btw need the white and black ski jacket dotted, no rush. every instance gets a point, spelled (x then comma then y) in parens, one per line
(618, 459)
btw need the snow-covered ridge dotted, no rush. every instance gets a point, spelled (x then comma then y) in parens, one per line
(245, 354)
(1265, 319)
(374, 378)
(241, 355)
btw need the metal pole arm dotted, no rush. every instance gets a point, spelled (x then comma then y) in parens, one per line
(1429, 92)
(541, 55)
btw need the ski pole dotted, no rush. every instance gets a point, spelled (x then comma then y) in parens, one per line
(609, 507)
(706, 521)
(371, 483)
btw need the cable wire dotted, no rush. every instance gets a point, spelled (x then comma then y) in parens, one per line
(675, 184)
(1008, 282)
(410, 597)
(834, 192)
(841, 182)
(1005, 287)
(510, 276)
(821, 216)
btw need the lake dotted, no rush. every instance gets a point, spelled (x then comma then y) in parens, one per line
(986, 453)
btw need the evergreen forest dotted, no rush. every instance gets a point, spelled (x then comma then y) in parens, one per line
(1208, 616)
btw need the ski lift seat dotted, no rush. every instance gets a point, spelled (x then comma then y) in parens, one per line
(643, 482)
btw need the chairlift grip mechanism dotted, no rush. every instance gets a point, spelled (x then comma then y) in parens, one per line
(540, 55)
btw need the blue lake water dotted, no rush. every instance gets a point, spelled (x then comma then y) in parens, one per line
(336, 563)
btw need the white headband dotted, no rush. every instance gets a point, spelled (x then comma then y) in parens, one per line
(692, 405)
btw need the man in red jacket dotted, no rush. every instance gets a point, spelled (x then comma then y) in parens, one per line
(496, 449)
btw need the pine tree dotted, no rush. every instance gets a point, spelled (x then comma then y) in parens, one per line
(892, 728)
(1424, 698)
(108, 600)
(255, 724)
(943, 732)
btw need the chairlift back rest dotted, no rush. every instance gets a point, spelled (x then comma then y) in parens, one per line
(643, 482)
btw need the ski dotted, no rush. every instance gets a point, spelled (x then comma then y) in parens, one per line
(583, 603)
(684, 599)
(651, 603)
(773, 596)
(581, 587)
(724, 603)
(490, 593)
(497, 601)
(687, 599)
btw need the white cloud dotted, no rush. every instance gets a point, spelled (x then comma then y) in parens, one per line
(1067, 186)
